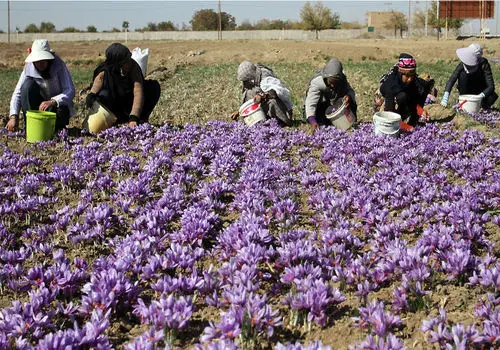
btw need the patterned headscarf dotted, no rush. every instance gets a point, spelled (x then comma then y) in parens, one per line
(406, 61)
(246, 71)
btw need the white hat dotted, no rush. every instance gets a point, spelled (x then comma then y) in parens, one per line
(471, 54)
(40, 50)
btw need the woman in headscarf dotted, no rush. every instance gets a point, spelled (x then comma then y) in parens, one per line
(327, 87)
(45, 84)
(404, 92)
(119, 86)
(474, 76)
(261, 84)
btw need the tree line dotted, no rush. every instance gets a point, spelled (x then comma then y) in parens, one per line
(314, 17)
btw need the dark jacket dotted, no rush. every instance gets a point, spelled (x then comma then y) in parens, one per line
(393, 85)
(481, 80)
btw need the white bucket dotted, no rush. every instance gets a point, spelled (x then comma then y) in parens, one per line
(141, 57)
(470, 103)
(252, 113)
(342, 118)
(386, 123)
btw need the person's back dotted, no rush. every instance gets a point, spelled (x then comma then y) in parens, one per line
(261, 84)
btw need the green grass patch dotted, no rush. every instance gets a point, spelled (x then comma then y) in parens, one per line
(196, 94)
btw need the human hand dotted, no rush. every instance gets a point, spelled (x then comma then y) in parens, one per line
(132, 124)
(425, 116)
(13, 123)
(347, 100)
(261, 97)
(45, 105)
(90, 99)
(314, 127)
(235, 115)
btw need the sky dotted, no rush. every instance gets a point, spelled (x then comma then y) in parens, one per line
(106, 15)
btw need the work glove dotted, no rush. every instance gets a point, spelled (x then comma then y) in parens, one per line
(444, 100)
(90, 99)
(482, 95)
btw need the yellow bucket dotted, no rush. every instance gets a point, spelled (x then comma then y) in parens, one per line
(40, 125)
(100, 119)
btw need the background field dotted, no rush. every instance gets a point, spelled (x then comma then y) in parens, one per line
(200, 81)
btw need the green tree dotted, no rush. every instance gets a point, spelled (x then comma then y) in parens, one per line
(318, 17)
(246, 25)
(166, 26)
(263, 24)
(31, 28)
(419, 19)
(91, 29)
(70, 30)
(125, 25)
(208, 19)
(351, 25)
(397, 22)
(151, 27)
(438, 23)
(47, 27)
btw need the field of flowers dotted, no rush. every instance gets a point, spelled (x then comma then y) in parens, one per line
(198, 232)
(224, 236)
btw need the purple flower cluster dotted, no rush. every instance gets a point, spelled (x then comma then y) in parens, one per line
(247, 234)
(459, 336)
(487, 117)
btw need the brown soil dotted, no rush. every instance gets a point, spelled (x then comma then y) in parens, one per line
(165, 53)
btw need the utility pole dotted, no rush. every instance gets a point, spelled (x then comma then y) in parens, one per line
(426, 19)
(8, 21)
(219, 30)
(409, 18)
(438, 28)
(496, 17)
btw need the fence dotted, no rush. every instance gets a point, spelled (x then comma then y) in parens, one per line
(301, 35)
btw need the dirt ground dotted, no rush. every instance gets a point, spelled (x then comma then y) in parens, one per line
(175, 53)
(166, 53)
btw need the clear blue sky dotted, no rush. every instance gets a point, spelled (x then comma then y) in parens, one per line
(106, 15)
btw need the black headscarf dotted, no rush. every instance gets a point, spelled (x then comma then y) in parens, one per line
(119, 86)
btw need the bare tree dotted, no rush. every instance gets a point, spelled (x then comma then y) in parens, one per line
(397, 22)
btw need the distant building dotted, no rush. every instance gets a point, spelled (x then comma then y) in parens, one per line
(379, 20)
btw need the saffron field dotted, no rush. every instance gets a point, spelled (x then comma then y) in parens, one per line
(199, 232)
